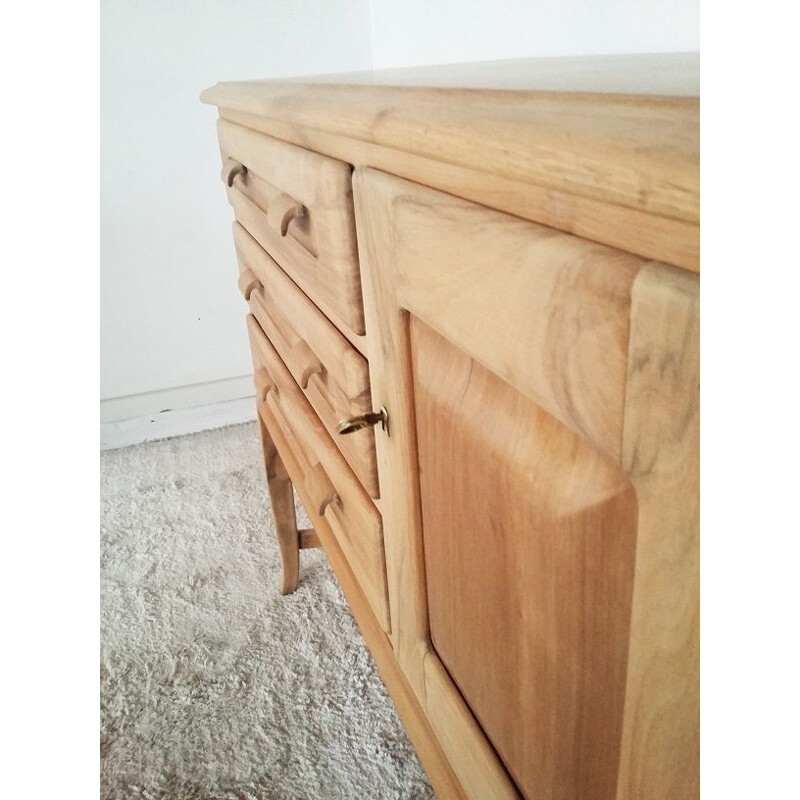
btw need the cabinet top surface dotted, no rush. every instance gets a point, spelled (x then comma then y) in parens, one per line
(658, 74)
(607, 147)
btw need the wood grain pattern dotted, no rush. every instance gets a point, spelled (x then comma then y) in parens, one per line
(308, 536)
(248, 281)
(530, 536)
(359, 531)
(282, 504)
(546, 311)
(653, 74)
(390, 359)
(435, 762)
(334, 377)
(322, 259)
(539, 489)
(282, 210)
(462, 739)
(637, 153)
(263, 194)
(633, 230)
(661, 737)
(230, 169)
(521, 320)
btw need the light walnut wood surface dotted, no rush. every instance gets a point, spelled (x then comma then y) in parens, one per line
(352, 514)
(652, 74)
(578, 153)
(661, 737)
(390, 361)
(557, 331)
(461, 737)
(282, 505)
(436, 764)
(332, 374)
(529, 537)
(637, 231)
(421, 263)
(636, 152)
(527, 572)
(547, 311)
(264, 195)
(317, 248)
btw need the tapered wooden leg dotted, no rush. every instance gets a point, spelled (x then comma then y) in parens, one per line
(282, 497)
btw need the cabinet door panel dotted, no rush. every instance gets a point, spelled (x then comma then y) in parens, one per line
(499, 348)
(529, 539)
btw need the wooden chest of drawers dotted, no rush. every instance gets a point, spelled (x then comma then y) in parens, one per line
(474, 324)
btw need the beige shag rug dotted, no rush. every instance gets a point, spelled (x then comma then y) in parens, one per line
(212, 685)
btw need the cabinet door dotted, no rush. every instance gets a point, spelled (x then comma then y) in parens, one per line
(500, 349)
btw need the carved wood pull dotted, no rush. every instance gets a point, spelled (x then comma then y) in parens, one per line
(304, 361)
(263, 383)
(248, 281)
(271, 398)
(230, 169)
(331, 514)
(311, 369)
(282, 210)
(320, 488)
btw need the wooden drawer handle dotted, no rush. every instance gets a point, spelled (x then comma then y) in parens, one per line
(332, 515)
(248, 281)
(230, 169)
(272, 400)
(282, 210)
(303, 361)
(263, 383)
(320, 488)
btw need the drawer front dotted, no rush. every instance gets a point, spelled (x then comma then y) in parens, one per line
(331, 373)
(298, 205)
(328, 482)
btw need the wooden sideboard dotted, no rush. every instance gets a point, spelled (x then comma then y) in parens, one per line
(474, 319)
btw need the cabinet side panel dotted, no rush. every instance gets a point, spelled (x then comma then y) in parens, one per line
(661, 452)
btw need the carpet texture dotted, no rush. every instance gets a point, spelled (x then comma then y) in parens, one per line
(212, 685)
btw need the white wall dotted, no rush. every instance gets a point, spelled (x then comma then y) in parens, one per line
(171, 316)
(415, 32)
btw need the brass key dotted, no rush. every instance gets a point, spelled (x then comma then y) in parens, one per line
(352, 424)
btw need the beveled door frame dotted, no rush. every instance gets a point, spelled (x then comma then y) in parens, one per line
(662, 312)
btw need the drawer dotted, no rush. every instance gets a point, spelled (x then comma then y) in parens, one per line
(298, 205)
(328, 484)
(331, 373)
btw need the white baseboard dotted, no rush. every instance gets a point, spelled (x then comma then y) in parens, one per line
(145, 404)
(163, 424)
